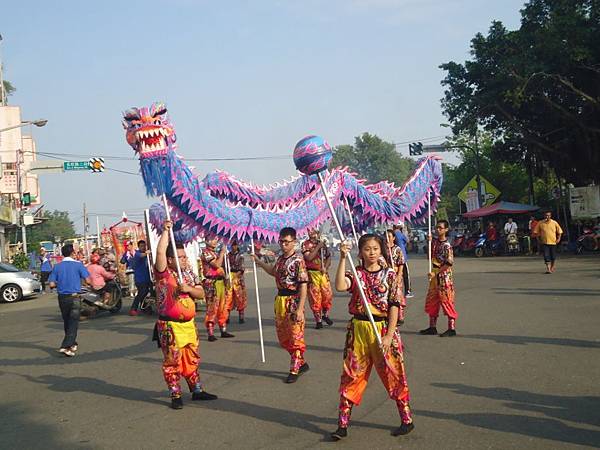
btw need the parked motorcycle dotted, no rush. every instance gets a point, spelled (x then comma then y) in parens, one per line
(483, 247)
(92, 301)
(463, 244)
(586, 242)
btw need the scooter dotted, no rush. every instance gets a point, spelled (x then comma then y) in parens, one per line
(586, 242)
(92, 301)
(463, 244)
(484, 247)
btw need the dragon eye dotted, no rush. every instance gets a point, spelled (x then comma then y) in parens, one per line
(157, 122)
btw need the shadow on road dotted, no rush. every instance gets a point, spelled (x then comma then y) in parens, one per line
(575, 409)
(524, 340)
(82, 358)
(18, 430)
(89, 385)
(572, 292)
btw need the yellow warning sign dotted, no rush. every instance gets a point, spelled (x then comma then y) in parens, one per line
(489, 192)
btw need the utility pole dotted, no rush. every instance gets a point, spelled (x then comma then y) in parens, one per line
(85, 230)
(478, 174)
(20, 200)
(2, 94)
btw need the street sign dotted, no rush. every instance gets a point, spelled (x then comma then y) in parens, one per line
(76, 165)
(469, 193)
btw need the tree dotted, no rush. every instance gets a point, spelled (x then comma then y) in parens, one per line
(8, 88)
(536, 90)
(373, 159)
(56, 224)
(511, 179)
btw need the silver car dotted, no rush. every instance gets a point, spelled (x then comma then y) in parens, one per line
(16, 284)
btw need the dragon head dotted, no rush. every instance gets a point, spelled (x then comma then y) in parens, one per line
(149, 131)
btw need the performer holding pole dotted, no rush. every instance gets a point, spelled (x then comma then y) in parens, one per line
(365, 346)
(175, 329)
(441, 283)
(291, 278)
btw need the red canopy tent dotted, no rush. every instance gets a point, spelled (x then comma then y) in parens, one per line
(501, 208)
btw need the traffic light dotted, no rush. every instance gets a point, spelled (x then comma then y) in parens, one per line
(26, 200)
(96, 165)
(415, 149)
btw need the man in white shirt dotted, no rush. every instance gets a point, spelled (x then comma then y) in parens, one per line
(510, 227)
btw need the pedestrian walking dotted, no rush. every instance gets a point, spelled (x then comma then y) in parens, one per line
(66, 278)
(45, 268)
(549, 232)
(141, 276)
(401, 240)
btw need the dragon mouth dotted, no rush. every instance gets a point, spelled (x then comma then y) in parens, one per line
(151, 139)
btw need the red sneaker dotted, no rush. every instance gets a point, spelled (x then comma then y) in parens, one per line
(133, 312)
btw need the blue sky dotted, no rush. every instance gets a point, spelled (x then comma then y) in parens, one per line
(240, 78)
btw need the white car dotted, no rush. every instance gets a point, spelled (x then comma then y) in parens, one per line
(16, 284)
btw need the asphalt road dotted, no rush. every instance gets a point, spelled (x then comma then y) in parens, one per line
(523, 373)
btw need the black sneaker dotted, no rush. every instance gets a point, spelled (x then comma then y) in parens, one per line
(226, 334)
(448, 333)
(403, 429)
(211, 338)
(328, 321)
(176, 403)
(429, 331)
(319, 325)
(291, 378)
(203, 395)
(340, 433)
(303, 368)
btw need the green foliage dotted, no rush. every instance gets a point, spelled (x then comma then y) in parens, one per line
(536, 90)
(373, 159)
(21, 261)
(8, 88)
(57, 223)
(512, 179)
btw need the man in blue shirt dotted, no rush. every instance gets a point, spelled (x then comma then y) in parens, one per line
(401, 241)
(141, 275)
(45, 268)
(66, 277)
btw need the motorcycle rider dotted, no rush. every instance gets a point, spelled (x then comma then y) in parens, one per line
(510, 227)
(100, 279)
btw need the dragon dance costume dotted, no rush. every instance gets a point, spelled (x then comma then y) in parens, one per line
(441, 285)
(397, 263)
(362, 351)
(239, 298)
(217, 310)
(290, 272)
(320, 295)
(176, 333)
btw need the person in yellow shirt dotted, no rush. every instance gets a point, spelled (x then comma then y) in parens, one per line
(549, 233)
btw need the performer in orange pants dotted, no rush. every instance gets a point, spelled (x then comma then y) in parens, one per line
(362, 350)
(239, 298)
(214, 288)
(291, 278)
(175, 329)
(318, 259)
(441, 284)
